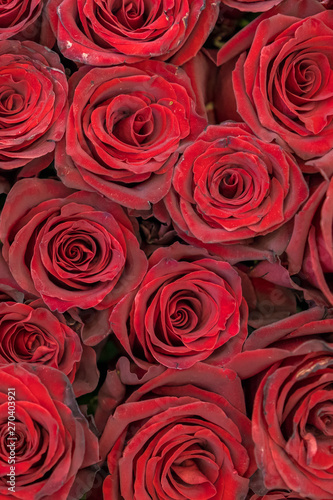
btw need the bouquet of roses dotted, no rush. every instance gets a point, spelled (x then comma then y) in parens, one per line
(166, 258)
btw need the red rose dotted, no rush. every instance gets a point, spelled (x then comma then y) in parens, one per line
(291, 362)
(188, 308)
(35, 335)
(33, 108)
(125, 130)
(108, 33)
(17, 16)
(73, 249)
(230, 188)
(53, 445)
(277, 72)
(180, 435)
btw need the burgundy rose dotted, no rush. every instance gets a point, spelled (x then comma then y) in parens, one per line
(73, 249)
(291, 365)
(277, 73)
(180, 435)
(188, 308)
(108, 33)
(230, 188)
(33, 105)
(53, 444)
(125, 130)
(17, 16)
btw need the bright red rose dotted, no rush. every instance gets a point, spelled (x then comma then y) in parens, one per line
(126, 128)
(73, 249)
(33, 109)
(54, 447)
(188, 308)
(108, 33)
(182, 434)
(277, 74)
(291, 365)
(231, 188)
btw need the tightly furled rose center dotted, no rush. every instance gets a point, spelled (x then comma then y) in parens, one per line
(76, 248)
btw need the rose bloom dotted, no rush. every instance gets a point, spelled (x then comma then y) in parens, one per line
(108, 33)
(73, 249)
(230, 188)
(35, 335)
(33, 105)
(182, 434)
(126, 128)
(277, 72)
(54, 447)
(188, 308)
(17, 16)
(291, 367)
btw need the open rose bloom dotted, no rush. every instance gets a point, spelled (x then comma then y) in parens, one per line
(166, 250)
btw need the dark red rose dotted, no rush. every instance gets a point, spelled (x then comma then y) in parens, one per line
(180, 435)
(251, 5)
(33, 110)
(108, 33)
(277, 73)
(54, 447)
(230, 188)
(73, 249)
(291, 365)
(188, 308)
(17, 16)
(126, 128)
